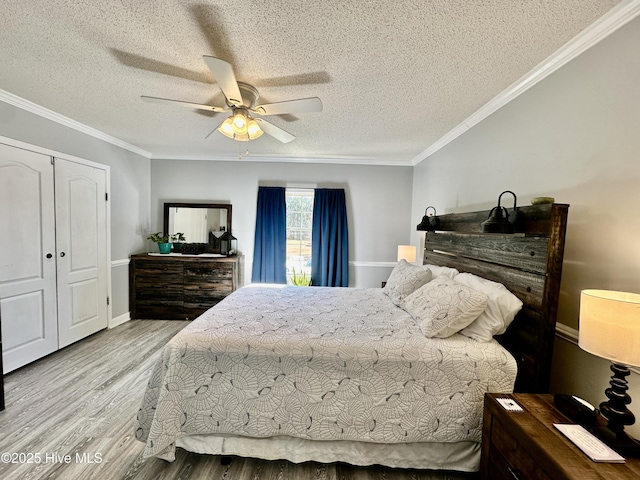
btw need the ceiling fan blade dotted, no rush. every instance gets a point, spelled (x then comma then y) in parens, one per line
(275, 132)
(223, 72)
(301, 105)
(198, 106)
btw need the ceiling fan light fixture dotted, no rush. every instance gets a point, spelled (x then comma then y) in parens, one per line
(226, 128)
(253, 129)
(241, 137)
(240, 126)
(240, 121)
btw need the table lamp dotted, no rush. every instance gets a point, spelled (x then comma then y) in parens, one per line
(610, 328)
(407, 252)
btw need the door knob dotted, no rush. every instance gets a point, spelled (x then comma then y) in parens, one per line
(49, 255)
(62, 254)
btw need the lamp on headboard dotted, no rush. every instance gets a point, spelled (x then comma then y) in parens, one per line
(499, 220)
(407, 252)
(610, 328)
(429, 222)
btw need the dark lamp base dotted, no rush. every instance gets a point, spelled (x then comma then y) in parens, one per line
(617, 414)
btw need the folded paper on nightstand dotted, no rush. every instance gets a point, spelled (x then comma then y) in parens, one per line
(592, 447)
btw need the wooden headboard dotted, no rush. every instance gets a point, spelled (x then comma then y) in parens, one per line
(528, 263)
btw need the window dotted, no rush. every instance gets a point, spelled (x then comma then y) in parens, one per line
(299, 223)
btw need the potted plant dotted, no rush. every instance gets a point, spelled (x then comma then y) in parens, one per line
(177, 239)
(301, 280)
(164, 246)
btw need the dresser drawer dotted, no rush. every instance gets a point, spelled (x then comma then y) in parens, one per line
(509, 460)
(209, 271)
(205, 285)
(153, 269)
(176, 287)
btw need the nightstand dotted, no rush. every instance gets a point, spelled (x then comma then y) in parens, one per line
(526, 445)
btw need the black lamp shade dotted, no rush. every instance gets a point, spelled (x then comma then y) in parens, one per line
(499, 220)
(429, 222)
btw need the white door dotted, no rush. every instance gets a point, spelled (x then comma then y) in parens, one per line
(81, 242)
(27, 257)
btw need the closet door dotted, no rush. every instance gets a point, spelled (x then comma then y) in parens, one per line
(27, 257)
(81, 240)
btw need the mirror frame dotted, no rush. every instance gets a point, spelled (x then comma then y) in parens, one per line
(169, 205)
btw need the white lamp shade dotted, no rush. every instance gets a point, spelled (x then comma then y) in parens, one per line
(226, 129)
(240, 121)
(610, 325)
(253, 129)
(407, 252)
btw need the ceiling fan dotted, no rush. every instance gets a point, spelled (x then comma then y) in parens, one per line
(241, 101)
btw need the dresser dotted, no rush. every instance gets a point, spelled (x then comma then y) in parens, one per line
(178, 287)
(525, 444)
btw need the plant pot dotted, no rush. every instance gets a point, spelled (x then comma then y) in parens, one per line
(177, 246)
(164, 247)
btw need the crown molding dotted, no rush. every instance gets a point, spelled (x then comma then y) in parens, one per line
(338, 160)
(43, 112)
(617, 17)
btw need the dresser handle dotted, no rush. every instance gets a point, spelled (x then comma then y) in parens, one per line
(514, 473)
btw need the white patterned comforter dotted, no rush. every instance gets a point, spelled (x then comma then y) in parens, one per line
(322, 364)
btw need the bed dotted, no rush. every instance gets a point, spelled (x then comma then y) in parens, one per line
(335, 374)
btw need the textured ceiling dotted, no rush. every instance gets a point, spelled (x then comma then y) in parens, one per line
(394, 76)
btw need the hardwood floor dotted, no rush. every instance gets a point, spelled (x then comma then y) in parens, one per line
(70, 416)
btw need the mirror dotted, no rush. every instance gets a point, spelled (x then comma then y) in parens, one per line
(199, 222)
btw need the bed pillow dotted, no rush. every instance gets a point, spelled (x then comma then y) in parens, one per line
(443, 306)
(437, 270)
(405, 279)
(502, 308)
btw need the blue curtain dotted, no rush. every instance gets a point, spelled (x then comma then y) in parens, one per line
(270, 246)
(329, 239)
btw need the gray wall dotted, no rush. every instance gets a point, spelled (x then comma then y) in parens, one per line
(378, 198)
(130, 184)
(576, 137)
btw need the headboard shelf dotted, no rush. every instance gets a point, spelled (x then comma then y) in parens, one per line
(528, 263)
(532, 219)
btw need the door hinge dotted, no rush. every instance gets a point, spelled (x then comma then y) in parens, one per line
(53, 160)
(108, 301)
(106, 197)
